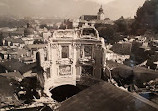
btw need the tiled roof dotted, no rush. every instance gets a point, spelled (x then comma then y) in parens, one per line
(141, 74)
(7, 93)
(27, 68)
(11, 65)
(106, 97)
(14, 75)
(144, 75)
(89, 17)
(17, 40)
(31, 46)
(14, 40)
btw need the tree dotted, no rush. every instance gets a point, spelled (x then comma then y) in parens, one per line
(122, 25)
(107, 33)
(146, 18)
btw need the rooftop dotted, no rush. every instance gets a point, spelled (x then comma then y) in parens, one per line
(88, 17)
(36, 46)
(14, 75)
(14, 40)
(27, 68)
(11, 65)
(106, 97)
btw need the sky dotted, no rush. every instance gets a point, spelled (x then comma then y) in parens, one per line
(113, 9)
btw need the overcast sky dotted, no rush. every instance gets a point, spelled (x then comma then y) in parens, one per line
(69, 8)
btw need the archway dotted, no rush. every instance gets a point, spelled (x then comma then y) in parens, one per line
(63, 92)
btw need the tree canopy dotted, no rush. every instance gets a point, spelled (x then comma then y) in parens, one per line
(146, 18)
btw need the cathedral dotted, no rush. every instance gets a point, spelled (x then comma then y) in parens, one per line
(100, 16)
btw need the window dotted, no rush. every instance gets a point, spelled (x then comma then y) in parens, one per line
(65, 34)
(88, 51)
(65, 70)
(89, 31)
(65, 51)
(87, 70)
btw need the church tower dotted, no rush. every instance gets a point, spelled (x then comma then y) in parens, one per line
(101, 15)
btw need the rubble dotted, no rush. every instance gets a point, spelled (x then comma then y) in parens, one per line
(43, 67)
(8, 97)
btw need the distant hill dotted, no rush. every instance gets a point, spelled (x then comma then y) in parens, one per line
(49, 21)
(12, 22)
(69, 8)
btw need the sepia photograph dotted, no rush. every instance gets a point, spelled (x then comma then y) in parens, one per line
(78, 55)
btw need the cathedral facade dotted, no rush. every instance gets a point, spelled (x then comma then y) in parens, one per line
(100, 16)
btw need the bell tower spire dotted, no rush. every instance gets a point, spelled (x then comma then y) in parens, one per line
(101, 13)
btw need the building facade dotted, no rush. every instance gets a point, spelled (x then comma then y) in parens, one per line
(71, 54)
(100, 16)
